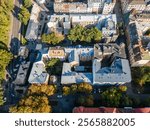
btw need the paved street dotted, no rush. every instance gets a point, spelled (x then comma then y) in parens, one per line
(15, 31)
(16, 22)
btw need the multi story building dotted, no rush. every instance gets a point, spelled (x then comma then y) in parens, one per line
(106, 23)
(139, 54)
(36, 23)
(108, 65)
(138, 5)
(89, 6)
(138, 42)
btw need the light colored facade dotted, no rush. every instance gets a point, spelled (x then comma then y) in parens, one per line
(109, 7)
(138, 5)
(139, 51)
(40, 1)
(117, 73)
(79, 75)
(114, 71)
(105, 23)
(35, 24)
(91, 6)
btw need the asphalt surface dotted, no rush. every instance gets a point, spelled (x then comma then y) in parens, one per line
(16, 22)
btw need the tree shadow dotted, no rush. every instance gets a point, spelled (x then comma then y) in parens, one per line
(3, 46)
(14, 46)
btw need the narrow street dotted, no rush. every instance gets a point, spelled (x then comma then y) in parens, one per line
(16, 28)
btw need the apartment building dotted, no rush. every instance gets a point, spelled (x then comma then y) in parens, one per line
(105, 23)
(138, 5)
(89, 6)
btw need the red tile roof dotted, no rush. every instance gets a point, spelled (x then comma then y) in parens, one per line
(109, 110)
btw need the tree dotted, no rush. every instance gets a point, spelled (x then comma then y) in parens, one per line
(1, 96)
(123, 88)
(24, 41)
(53, 66)
(7, 5)
(87, 101)
(140, 75)
(24, 15)
(66, 90)
(42, 89)
(96, 34)
(27, 3)
(5, 58)
(85, 88)
(32, 104)
(74, 88)
(52, 38)
(3, 46)
(126, 101)
(79, 33)
(111, 97)
(136, 102)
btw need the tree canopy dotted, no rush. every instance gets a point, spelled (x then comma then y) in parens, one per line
(140, 75)
(1, 96)
(5, 58)
(27, 3)
(54, 66)
(52, 38)
(83, 34)
(87, 101)
(24, 15)
(32, 104)
(42, 88)
(85, 87)
(66, 90)
(115, 97)
(6, 6)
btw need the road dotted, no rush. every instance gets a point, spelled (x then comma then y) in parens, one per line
(15, 30)
(14, 47)
(16, 23)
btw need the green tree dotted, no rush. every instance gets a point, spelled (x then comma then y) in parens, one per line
(79, 33)
(3, 46)
(24, 15)
(141, 75)
(24, 41)
(52, 38)
(54, 66)
(66, 90)
(74, 88)
(85, 88)
(123, 88)
(32, 104)
(42, 89)
(27, 3)
(7, 5)
(1, 96)
(111, 97)
(5, 58)
(126, 101)
(87, 101)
